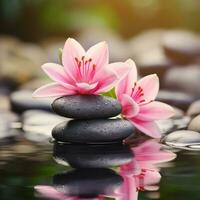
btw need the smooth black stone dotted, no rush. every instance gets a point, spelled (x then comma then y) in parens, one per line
(92, 156)
(88, 182)
(22, 100)
(93, 131)
(86, 106)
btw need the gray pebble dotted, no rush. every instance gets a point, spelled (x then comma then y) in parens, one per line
(22, 100)
(194, 108)
(183, 138)
(194, 125)
(174, 98)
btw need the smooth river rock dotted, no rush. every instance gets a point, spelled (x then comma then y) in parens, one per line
(184, 79)
(22, 100)
(93, 131)
(194, 125)
(182, 123)
(194, 108)
(87, 106)
(8, 122)
(174, 98)
(38, 124)
(181, 46)
(183, 138)
(92, 156)
(148, 53)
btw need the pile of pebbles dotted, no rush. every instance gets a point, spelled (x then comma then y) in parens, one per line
(93, 120)
(187, 136)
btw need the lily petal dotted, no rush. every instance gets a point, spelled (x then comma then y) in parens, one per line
(72, 49)
(57, 73)
(150, 128)
(127, 83)
(86, 87)
(109, 76)
(106, 83)
(130, 107)
(52, 90)
(106, 78)
(154, 111)
(150, 86)
(121, 69)
(99, 54)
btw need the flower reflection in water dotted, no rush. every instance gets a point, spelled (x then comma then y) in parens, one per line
(50, 192)
(141, 174)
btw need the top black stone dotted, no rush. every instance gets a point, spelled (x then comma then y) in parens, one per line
(87, 106)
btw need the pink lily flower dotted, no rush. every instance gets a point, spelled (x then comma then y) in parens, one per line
(82, 72)
(138, 101)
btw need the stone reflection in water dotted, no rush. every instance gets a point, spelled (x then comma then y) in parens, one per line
(81, 183)
(137, 171)
(92, 156)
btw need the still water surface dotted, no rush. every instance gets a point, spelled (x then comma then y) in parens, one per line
(29, 171)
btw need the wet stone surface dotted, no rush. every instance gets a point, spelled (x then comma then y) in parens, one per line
(93, 131)
(87, 106)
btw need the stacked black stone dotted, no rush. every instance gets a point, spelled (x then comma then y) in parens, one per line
(93, 120)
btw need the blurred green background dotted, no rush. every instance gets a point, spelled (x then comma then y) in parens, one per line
(34, 20)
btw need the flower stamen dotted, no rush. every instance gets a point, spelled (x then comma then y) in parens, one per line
(85, 70)
(137, 93)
